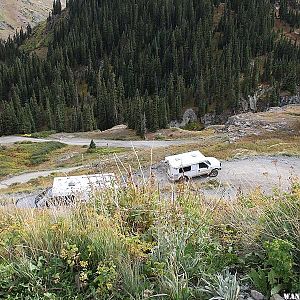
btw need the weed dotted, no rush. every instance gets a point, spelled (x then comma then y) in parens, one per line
(223, 286)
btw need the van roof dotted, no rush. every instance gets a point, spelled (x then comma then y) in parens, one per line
(66, 186)
(185, 159)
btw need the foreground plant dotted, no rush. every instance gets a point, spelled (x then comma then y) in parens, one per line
(278, 272)
(134, 244)
(223, 287)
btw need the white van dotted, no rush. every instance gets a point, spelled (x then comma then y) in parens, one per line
(191, 164)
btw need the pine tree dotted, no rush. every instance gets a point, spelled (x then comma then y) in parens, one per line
(56, 7)
(92, 145)
(155, 113)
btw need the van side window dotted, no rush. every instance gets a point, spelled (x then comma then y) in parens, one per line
(203, 166)
(185, 169)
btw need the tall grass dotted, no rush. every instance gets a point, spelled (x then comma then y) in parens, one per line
(136, 243)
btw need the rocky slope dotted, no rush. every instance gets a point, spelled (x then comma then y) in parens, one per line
(17, 13)
(277, 120)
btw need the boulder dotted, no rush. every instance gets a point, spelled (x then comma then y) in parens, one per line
(189, 116)
(276, 297)
(257, 295)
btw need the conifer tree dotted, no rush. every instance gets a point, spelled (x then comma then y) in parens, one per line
(92, 145)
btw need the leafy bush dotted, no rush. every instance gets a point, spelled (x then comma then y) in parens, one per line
(7, 274)
(277, 273)
(283, 219)
(223, 286)
(194, 126)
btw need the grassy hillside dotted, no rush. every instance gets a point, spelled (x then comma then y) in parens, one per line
(24, 156)
(28, 157)
(136, 244)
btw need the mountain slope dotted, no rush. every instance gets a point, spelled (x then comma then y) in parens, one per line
(17, 13)
(143, 62)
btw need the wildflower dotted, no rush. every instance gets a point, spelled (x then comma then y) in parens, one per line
(147, 293)
(56, 278)
(83, 264)
(109, 286)
(63, 253)
(83, 276)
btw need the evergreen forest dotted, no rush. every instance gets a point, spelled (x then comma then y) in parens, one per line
(141, 62)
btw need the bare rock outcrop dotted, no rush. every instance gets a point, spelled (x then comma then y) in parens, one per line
(276, 119)
(189, 116)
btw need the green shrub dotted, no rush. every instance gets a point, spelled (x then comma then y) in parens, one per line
(39, 155)
(92, 145)
(277, 273)
(194, 126)
(223, 286)
(7, 274)
(42, 134)
(106, 278)
(283, 219)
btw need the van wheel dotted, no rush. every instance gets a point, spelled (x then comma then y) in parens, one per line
(183, 179)
(214, 173)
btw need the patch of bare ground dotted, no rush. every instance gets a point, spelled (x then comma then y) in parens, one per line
(41, 52)
(119, 132)
(218, 12)
(177, 133)
(123, 133)
(283, 28)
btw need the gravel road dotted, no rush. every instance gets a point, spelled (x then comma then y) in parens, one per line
(25, 177)
(100, 143)
(239, 175)
(244, 175)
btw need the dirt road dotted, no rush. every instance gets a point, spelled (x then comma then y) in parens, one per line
(100, 143)
(244, 175)
(25, 177)
(236, 176)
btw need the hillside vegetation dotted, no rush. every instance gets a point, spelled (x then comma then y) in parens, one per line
(26, 155)
(142, 62)
(137, 244)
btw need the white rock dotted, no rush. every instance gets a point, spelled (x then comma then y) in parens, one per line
(257, 295)
(276, 297)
